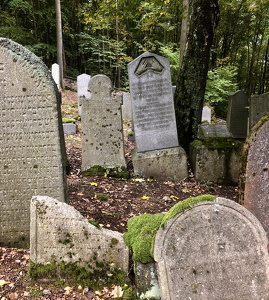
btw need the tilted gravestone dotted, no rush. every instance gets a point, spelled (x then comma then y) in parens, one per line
(60, 234)
(32, 149)
(102, 137)
(82, 89)
(157, 152)
(214, 250)
(254, 178)
(237, 115)
(259, 106)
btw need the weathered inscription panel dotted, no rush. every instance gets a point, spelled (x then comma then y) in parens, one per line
(213, 251)
(152, 101)
(31, 140)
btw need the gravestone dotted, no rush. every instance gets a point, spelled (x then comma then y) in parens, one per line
(102, 138)
(59, 233)
(32, 149)
(82, 89)
(237, 115)
(157, 152)
(206, 114)
(259, 106)
(254, 179)
(215, 250)
(127, 113)
(55, 72)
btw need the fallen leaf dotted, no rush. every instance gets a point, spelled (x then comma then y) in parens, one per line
(3, 282)
(117, 292)
(174, 197)
(145, 198)
(93, 183)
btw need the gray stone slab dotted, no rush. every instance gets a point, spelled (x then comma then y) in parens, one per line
(82, 89)
(70, 128)
(32, 151)
(59, 233)
(237, 115)
(214, 131)
(254, 179)
(216, 250)
(206, 114)
(259, 106)
(152, 101)
(102, 138)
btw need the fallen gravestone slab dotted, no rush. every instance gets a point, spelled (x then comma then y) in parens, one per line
(59, 234)
(215, 250)
(32, 150)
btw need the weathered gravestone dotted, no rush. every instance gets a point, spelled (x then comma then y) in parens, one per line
(215, 250)
(82, 89)
(127, 113)
(102, 138)
(31, 140)
(60, 234)
(259, 106)
(154, 120)
(55, 72)
(206, 114)
(254, 178)
(237, 115)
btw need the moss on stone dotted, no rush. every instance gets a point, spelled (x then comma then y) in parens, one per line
(117, 172)
(66, 120)
(142, 229)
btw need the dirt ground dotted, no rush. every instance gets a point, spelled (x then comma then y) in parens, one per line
(108, 201)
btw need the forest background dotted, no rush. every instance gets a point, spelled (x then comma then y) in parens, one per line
(102, 36)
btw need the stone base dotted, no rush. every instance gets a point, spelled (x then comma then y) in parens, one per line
(70, 128)
(165, 164)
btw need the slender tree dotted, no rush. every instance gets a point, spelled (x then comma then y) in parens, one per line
(59, 39)
(203, 19)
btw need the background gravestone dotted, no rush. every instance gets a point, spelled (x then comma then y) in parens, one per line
(55, 72)
(32, 149)
(102, 138)
(254, 179)
(259, 106)
(215, 250)
(152, 102)
(237, 115)
(206, 114)
(82, 89)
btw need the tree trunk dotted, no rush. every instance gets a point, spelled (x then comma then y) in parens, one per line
(203, 19)
(59, 39)
(184, 31)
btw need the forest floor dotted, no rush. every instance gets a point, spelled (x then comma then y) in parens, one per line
(108, 201)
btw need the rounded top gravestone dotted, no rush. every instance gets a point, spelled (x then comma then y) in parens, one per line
(216, 250)
(32, 149)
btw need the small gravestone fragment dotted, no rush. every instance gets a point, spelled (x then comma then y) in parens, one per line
(215, 250)
(60, 234)
(82, 89)
(102, 138)
(254, 179)
(32, 151)
(55, 72)
(237, 116)
(259, 106)
(206, 114)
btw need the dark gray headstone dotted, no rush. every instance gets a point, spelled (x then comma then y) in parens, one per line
(237, 116)
(254, 180)
(259, 106)
(32, 152)
(152, 101)
(215, 250)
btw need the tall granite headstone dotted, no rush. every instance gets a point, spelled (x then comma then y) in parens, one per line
(32, 152)
(254, 179)
(157, 152)
(237, 115)
(259, 106)
(102, 138)
(82, 89)
(214, 250)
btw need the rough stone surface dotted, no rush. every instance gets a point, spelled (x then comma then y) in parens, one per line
(254, 180)
(237, 115)
(82, 89)
(32, 149)
(152, 102)
(259, 106)
(216, 250)
(165, 164)
(102, 138)
(59, 233)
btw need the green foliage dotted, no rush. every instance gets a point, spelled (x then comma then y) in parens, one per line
(220, 84)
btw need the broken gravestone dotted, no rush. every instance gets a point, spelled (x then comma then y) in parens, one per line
(214, 250)
(32, 151)
(59, 234)
(102, 137)
(254, 177)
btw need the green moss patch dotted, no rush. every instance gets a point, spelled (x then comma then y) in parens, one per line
(66, 120)
(118, 172)
(142, 229)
